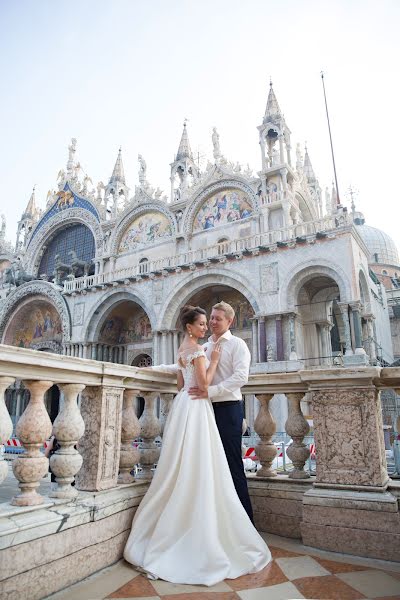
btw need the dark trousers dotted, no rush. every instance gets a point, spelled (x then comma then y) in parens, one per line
(229, 419)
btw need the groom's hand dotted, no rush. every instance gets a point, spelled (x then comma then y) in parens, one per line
(197, 393)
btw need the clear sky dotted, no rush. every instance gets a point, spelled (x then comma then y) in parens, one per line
(127, 72)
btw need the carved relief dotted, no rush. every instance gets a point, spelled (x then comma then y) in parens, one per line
(269, 278)
(157, 291)
(349, 445)
(78, 314)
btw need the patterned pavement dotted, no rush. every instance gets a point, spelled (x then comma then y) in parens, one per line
(292, 574)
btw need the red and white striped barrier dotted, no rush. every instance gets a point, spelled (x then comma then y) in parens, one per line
(15, 443)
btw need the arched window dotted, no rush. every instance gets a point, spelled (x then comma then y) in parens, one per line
(384, 272)
(76, 239)
(144, 265)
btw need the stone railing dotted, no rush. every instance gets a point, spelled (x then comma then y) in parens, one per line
(350, 504)
(216, 252)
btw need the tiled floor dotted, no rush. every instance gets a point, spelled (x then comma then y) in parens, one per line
(292, 574)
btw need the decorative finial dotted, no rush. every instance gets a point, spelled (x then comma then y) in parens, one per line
(270, 81)
(185, 121)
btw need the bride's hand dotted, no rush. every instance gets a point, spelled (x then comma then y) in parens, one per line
(216, 353)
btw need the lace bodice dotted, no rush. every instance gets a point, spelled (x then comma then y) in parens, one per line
(186, 365)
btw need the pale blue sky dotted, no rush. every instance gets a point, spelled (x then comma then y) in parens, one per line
(127, 72)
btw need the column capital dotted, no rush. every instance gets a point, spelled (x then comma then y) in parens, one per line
(355, 306)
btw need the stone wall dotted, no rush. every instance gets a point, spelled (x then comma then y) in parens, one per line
(51, 547)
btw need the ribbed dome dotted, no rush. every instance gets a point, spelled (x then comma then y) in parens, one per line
(380, 245)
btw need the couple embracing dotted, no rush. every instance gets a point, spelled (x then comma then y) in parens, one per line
(195, 523)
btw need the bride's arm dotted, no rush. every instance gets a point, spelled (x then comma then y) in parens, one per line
(180, 382)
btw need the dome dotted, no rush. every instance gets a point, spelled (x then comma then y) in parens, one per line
(381, 247)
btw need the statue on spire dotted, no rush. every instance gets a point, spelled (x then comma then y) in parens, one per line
(216, 146)
(142, 170)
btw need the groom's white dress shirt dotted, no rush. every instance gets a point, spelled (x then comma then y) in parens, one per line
(232, 370)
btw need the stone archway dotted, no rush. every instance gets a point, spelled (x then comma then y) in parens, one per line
(120, 330)
(45, 317)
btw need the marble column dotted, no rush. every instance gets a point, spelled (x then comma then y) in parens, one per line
(355, 311)
(371, 338)
(6, 426)
(279, 338)
(262, 339)
(130, 429)
(33, 428)
(344, 311)
(265, 426)
(156, 348)
(175, 334)
(292, 337)
(94, 351)
(68, 428)
(254, 341)
(164, 337)
(297, 428)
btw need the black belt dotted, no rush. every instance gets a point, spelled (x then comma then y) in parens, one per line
(227, 403)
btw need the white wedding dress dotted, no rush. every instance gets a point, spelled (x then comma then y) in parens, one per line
(191, 526)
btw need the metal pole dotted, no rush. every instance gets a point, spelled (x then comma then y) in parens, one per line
(330, 138)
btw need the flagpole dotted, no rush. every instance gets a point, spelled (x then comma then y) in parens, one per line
(330, 138)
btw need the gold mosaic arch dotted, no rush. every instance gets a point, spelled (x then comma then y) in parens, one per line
(146, 229)
(221, 208)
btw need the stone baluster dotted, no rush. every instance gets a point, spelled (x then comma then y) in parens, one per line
(265, 427)
(68, 428)
(149, 430)
(130, 429)
(6, 425)
(165, 405)
(33, 428)
(297, 427)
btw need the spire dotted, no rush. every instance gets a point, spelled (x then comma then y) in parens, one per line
(307, 166)
(184, 150)
(272, 110)
(118, 175)
(31, 206)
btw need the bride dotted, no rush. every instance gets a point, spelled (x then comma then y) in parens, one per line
(191, 526)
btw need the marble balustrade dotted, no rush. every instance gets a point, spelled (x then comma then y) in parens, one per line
(96, 438)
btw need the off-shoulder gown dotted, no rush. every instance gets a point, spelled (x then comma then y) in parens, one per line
(191, 526)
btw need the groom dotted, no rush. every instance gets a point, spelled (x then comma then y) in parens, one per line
(231, 374)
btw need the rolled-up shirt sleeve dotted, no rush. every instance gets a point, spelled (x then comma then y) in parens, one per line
(241, 365)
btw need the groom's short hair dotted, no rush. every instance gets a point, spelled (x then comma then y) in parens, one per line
(227, 308)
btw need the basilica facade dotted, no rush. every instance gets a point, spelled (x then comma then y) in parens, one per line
(102, 273)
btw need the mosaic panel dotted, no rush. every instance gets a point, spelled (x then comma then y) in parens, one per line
(144, 230)
(222, 208)
(35, 322)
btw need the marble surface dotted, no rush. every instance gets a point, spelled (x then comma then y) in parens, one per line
(294, 573)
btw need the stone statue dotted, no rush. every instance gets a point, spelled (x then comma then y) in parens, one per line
(3, 227)
(100, 186)
(275, 156)
(299, 158)
(158, 193)
(216, 146)
(179, 216)
(142, 169)
(270, 353)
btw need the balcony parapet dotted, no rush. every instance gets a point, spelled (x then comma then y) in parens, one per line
(263, 242)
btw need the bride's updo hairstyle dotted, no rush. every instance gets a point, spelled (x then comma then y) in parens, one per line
(189, 314)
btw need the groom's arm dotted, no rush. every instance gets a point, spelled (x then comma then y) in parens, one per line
(173, 369)
(241, 359)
